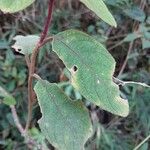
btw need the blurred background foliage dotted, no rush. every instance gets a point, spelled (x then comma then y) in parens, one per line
(129, 42)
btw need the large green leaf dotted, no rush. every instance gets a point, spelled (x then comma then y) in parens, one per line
(65, 123)
(12, 6)
(92, 68)
(25, 44)
(100, 9)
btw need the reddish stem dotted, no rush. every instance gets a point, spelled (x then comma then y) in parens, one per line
(31, 94)
(48, 20)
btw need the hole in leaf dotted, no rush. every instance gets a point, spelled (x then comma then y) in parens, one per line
(19, 50)
(75, 68)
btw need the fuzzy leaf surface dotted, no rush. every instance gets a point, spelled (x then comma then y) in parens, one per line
(25, 44)
(12, 6)
(65, 123)
(92, 68)
(101, 10)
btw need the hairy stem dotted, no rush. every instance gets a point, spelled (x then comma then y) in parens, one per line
(31, 94)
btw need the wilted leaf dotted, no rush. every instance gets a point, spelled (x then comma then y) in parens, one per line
(92, 68)
(25, 44)
(12, 6)
(65, 123)
(100, 9)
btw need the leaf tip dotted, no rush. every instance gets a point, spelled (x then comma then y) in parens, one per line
(125, 108)
(115, 24)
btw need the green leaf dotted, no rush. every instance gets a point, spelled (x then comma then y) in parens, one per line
(145, 43)
(117, 3)
(3, 45)
(92, 68)
(25, 44)
(65, 123)
(12, 6)
(7, 98)
(3, 92)
(131, 37)
(100, 9)
(135, 13)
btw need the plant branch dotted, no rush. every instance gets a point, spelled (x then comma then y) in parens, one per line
(28, 140)
(144, 141)
(48, 20)
(16, 120)
(126, 59)
(48, 39)
(31, 94)
(123, 83)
